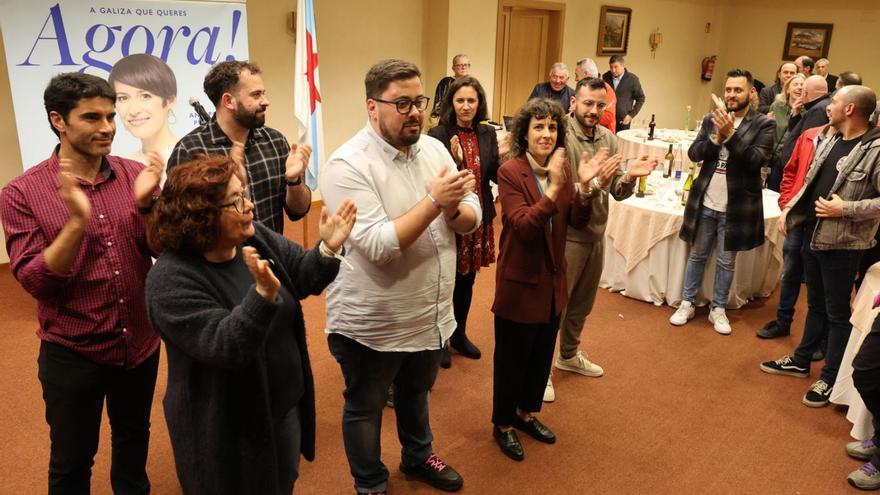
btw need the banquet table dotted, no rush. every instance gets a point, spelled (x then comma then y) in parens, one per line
(845, 392)
(634, 143)
(645, 259)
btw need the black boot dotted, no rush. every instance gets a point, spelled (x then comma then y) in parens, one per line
(465, 347)
(772, 330)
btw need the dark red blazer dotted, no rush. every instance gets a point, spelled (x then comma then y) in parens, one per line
(531, 261)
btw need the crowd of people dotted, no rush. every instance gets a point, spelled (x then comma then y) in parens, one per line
(408, 223)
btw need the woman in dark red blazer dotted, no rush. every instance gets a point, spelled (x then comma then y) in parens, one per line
(539, 199)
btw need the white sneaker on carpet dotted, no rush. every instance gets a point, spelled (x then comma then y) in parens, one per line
(684, 313)
(549, 393)
(718, 317)
(579, 364)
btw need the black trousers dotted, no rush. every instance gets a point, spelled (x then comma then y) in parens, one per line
(74, 389)
(523, 355)
(866, 377)
(462, 296)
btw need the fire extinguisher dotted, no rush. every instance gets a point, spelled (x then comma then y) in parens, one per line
(708, 68)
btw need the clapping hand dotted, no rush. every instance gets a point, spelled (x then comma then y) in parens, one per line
(601, 166)
(723, 124)
(457, 153)
(266, 281)
(448, 189)
(336, 229)
(556, 167)
(641, 167)
(297, 161)
(76, 200)
(148, 180)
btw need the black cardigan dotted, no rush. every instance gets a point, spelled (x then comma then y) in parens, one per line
(216, 403)
(488, 144)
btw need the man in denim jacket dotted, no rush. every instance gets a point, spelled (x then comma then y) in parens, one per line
(839, 208)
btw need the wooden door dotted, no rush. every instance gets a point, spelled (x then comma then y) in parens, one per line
(528, 44)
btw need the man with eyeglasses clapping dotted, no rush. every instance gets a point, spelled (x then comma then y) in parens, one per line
(389, 312)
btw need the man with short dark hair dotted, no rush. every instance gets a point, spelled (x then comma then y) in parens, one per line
(839, 209)
(630, 96)
(725, 200)
(273, 169)
(848, 78)
(556, 88)
(804, 65)
(587, 68)
(785, 72)
(77, 243)
(389, 313)
(584, 248)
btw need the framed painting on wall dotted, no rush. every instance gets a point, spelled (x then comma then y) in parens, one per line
(613, 30)
(812, 40)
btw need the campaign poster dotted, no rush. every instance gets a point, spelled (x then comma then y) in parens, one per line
(154, 53)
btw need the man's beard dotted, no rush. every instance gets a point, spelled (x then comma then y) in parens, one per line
(401, 139)
(582, 120)
(249, 120)
(738, 106)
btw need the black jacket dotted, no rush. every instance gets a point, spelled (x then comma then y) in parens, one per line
(813, 115)
(749, 149)
(217, 405)
(488, 144)
(630, 96)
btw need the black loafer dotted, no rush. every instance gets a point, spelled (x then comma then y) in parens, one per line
(773, 330)
(535, 429)
(509, 443)
(465, 347)
(445, 358)
(435, 473)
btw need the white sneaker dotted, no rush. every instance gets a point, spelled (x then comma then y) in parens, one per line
(718, 318)
(579, 364)
(684, 313)
(549, 393)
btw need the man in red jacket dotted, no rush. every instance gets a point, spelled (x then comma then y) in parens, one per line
(793, 265)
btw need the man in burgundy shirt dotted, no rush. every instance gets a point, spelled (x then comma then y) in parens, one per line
(77, 243)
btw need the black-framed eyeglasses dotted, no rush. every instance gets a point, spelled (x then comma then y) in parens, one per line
(461, 66)
(238, 203)
(405, 105)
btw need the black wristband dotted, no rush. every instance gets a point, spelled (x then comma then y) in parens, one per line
(298, 181)
(455, 215)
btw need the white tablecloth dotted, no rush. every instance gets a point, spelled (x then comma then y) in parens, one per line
(845, 392)
(645, 259)
(634, 143)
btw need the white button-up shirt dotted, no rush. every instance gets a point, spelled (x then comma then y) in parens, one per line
(391, 299)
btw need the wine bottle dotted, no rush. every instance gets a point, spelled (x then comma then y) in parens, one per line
(643, 185)
(687, 185)
(651, 127)
(670, 159)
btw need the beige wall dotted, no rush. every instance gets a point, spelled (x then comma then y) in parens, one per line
(354, 34)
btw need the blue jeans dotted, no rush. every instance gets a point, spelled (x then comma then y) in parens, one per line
(829, 286)
(709, 228)
(368, 374)
(792, 276)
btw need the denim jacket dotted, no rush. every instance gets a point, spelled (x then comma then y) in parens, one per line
(858, 184)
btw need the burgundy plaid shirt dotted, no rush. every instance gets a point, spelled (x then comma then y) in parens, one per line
(98, 308)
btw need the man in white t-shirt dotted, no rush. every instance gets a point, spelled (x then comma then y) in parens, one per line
(725, 201)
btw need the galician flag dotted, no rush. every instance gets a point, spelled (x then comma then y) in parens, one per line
(306, 84)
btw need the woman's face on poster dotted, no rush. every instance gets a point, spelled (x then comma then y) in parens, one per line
(142, 113)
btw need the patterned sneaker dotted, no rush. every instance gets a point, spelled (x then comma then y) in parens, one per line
(684, 313)
(866, 477)
(818, 395)
(435, 473)
(718, 317)
(861, 450)
(785, 366)
(549, 392)
(579, 364)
